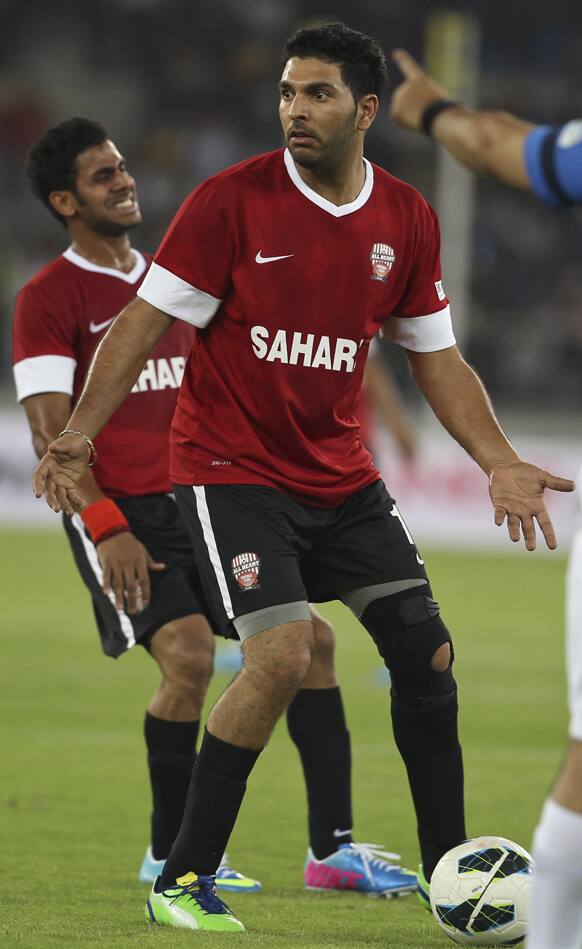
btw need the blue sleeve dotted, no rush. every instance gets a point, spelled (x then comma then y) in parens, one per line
(553, 159)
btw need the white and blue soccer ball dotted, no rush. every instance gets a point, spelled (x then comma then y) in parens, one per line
(479, 892)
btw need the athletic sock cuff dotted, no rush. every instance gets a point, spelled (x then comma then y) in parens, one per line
(226, 759)
(174, 738)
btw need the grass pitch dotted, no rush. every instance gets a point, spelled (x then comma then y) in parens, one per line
(74, 801)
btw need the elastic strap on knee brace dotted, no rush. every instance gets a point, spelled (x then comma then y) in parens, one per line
(408, 630)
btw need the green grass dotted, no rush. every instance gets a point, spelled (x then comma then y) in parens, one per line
(74, 802)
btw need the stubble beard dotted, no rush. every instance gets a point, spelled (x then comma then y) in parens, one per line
(331, 156)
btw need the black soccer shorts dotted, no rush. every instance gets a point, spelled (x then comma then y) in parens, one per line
(264, 556)
(175, 591)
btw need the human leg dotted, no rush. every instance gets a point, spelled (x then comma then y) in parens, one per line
(556, 896)
(317, 724)
(369, 560)
(276, 661)
(183, 650)
(415, 645)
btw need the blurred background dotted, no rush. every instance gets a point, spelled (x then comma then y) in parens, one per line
(187, 87)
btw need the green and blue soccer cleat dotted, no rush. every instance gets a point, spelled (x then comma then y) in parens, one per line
(363, 867)
(423, 889)
(226, 878)
(191, 903)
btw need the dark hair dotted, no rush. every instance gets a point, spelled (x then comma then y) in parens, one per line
(360, 58)
(51, 160)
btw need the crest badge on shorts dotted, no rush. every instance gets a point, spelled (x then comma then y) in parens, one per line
(382, 258)
(245, 570)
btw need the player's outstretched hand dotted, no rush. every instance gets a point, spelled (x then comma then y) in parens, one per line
(517, 492)
(58, 472)
(411, 97)
(126, 564)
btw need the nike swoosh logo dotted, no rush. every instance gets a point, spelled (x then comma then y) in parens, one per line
(97, 327)
(267, 260)
(341, 833)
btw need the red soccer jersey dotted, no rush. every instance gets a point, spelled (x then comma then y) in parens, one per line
(60, 317)
(287, 290)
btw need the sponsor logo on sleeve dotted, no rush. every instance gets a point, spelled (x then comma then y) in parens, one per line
(439, 289)
(245, 570)
(382, 258)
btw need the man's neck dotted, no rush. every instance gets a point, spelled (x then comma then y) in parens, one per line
(341, 185)
(114, 253)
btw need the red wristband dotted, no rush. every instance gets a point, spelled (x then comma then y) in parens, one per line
(104, 519)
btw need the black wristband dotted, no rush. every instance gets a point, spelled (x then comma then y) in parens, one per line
(430, 113)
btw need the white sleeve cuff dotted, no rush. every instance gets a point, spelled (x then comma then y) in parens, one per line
(44, 374)
(422, 334)
(177, 298)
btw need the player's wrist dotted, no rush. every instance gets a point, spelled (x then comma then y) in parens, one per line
(104, 519)
(505, 463)
(89, 443)
(431, 112)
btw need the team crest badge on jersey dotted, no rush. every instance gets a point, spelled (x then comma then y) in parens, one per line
(245, 570)
(382, 257)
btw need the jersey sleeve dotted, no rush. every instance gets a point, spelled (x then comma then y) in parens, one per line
(190, 275)
(422, 320)
(553, 160)
(43, 345)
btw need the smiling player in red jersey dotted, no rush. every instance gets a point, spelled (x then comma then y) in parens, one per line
(129, 543)
(289, 264)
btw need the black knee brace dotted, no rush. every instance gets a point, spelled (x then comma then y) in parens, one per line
(408, 630)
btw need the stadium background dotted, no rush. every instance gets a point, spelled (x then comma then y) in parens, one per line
(187, 88)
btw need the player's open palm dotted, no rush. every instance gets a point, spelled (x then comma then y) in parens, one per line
(517, 492)
(126, 564)
(58, 472)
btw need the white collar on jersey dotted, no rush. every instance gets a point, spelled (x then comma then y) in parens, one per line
(323, 203)
(131, 277)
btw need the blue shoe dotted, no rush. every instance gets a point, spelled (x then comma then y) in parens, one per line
(363, 867)
(234, 882)
(150, 868)
(423, 889)
(226, 878)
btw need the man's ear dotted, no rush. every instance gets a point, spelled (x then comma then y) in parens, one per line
(368, 108)
(64, 203)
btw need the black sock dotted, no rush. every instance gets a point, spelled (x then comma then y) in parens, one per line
(317, 725)
(428, 742)
(218, 784)
(171, 756)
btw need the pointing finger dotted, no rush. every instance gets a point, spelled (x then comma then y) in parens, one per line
(407, 65)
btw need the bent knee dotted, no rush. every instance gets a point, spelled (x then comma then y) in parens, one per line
(415, 645)
(324, 646)
(441, 659)
(280, 656)
(184, 650)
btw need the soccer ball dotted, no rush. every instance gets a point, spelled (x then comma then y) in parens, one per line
(479, 891)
